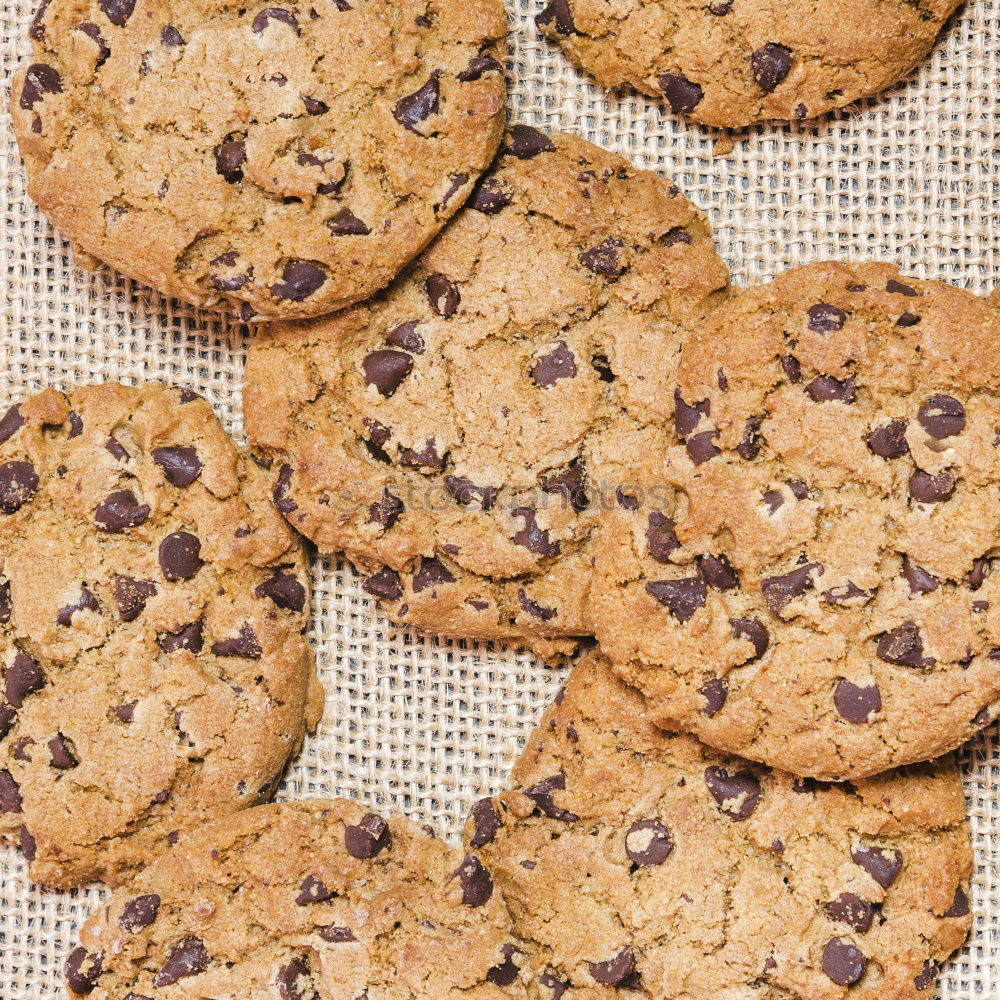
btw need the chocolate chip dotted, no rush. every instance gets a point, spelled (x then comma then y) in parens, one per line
(827, 389)
(558, 14)
(477, 886)
(85, 602)
(982, 718)
(661, 541)
(907, 319)
(417, 107)
(903, 646)
(531, 536)
(605, 258)
(714, 691)
(648, 843)
(313, 108)
(682, 598)
(6, 607)
(736, 793)
(688, 416)
(346, 223)
(189, 637)
(61, 753)
(560, 363)
(920, 581)
(571, 485)
(131, 596)
(27, 843)
(188, 958)
(720, 7)
(508, 970)
(857, 703)
(337, 935)
(791, 367)
(244, 644)
(36, 32)
(717, 572)
(682, 94)
(843, 961)
(533, 608)
(424, 458)
(615, 970)
(527, 142)
(942, 416)
(93, 32)
(486, 823)
(313, 891)
(230, 155)
(22, 677)
(18, 483)
(770, 63)
(385, 585)
(824, 318)
(117, 11)
(11, 423)
(431, 573)
(285, 590)
(779, 591)
(753, 632)
(552, 982)
(852, 910)
(300, 279)
(479, 65)
(881, 863)
(294, 981)
(749, 446)
(10, 794)
(370, 837)
(465, 491)
(180, 464)
(601, 365)
(541, 794)
(889, 440)
(140, 912)
(83, 969)
(959, 904)
(281, 489)
(7, 719)
(898, 288)
(269, 14)
(976, 577)
(120, 510)
(491, 195)
(927, 976)
(701, 447)
(386, 370)
(171, 37)
(442, 294)
(180, 555)
(405, 336)
(847, 593)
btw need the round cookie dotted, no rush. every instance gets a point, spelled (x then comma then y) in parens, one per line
(729, 63)
(820, 593)
(314, 900)
(271, 160)
(639, 863)
(152, 605)
(457, 435)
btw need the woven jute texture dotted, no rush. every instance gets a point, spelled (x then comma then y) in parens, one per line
(423, 726)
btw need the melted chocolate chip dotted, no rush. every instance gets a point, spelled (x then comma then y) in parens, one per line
(230, 155)
(415, 108)
(244, 644)
(857, 703)
(119, 511)
(843, 961)
(18, 483)
(526, 142)
(189, 637)
(187, 958)
(558, 14)
(346, 223)
(942, 416)
(770, 63)
(486, 821)
(85, 602)
(661, 541)
(443, 295)
(683, 95)
(62, 755)
(479, 65)
(385, 585)
(11, 423)
(313, 891)
(648, 843)
(614, 971)
(898, 288)
(780, 591)
(717, 572)
(920, 581)
(431, 573)
(21, 678)
(465, 491)
(687, 416)
(715, 692)
(737, 794)
(701, 447)
(477, 886)
(285, 590)
(533, 608)
(180, 464)
(852, 910)
(560, 363)
(531, 536)
(508, 970)
(889, 440)
(959, 904)
(83, 969)
(279, 14)
(491, 195)
(180, 556)
(541, 794)
(300, 279)
(827, 389)
(386, 370)
(140, 912)
(371, 836)
(405, 336)
(903, 646)
(10, 794)
(824, 318)
(571, 485)
(927, 976)
(682, 598)
(282, 486)
(753, 632)
(605, 258)
(881, 863)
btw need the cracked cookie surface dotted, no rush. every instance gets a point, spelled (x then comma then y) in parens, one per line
(457, 435)
(821, 593)
(640, 863)
(273, 161)
(729, 63)
(152, 605)
(313, 900)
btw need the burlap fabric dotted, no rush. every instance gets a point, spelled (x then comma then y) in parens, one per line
(426, 727)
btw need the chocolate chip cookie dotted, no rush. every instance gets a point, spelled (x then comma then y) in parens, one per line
(152, 605)
(314, 900)
(457, 435)
(819, 592)
(271, 160)
(729, 63)
(643, 863)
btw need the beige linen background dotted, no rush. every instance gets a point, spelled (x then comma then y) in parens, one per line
(422, 726)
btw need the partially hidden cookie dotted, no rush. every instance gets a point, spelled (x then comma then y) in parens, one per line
(313, 900)
(729, 63)
(819, 593)
(642, 864)
(267, 160)
(457, 435)
(152, 604)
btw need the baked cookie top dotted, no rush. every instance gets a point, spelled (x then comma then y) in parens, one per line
(729, 63)
(314, 900)
(819, 594)
(640, 863)
(280, 161)
(456, 435)
(152, 606)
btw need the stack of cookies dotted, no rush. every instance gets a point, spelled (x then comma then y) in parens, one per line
(504, 373)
